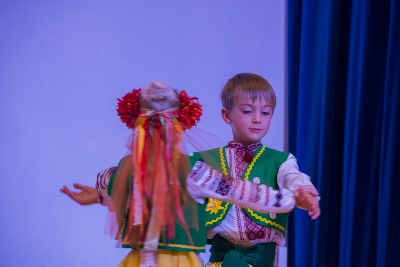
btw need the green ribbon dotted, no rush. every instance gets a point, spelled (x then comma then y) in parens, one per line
(260, 255)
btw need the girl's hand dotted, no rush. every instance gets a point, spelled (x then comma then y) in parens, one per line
(86, 196)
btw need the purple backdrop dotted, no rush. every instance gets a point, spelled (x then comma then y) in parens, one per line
(63, 64)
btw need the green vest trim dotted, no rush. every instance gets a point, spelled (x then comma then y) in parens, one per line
(265, 164)
(179, 247)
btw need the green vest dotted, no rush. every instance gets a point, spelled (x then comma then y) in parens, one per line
(180, 242)
(265, 166)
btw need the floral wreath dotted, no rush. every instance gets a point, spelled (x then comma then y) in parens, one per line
(129, 110)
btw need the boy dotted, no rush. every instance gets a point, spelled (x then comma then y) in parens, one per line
(240, 235)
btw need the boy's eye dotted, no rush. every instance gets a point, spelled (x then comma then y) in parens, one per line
(246, 111)
(265, 113)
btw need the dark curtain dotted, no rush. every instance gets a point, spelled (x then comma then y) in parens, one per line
(344, 129)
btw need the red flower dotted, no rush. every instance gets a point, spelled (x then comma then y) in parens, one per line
(128, 108)
(190, 112)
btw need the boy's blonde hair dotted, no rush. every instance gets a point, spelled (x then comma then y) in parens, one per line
(247, 85)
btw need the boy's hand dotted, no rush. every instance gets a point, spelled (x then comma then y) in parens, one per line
(306, 198)
(87, 195)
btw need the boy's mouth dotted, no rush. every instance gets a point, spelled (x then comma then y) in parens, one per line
(255, 129)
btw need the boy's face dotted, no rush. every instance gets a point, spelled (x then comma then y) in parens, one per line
(249, 120)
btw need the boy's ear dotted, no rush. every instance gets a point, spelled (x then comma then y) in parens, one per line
(225, 115)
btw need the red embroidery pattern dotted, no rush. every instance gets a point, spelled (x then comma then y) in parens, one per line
(235, 187)
(243, 155)
(278, 199)
(197, 173)
(207, 179)
(242, 191)
(224, 186)
(267, 196)
(253, 192)
(253, 231)
(239, 222)
(240, 164)
(269, 230)
(230, 164)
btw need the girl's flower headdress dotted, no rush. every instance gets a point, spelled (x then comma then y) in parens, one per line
(129, 109)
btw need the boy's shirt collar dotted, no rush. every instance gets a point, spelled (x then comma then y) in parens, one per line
(245, 152)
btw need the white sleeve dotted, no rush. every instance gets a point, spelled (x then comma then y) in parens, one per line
(289, 176)
(204, 182)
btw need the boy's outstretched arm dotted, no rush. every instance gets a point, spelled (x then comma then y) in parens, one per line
(204, 182)
(86, 196)
(307, 198)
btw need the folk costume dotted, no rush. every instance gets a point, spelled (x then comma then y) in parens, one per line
(244, 236)
(152, 209)
(154, 213)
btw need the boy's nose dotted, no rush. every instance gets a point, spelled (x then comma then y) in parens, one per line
(256, 119)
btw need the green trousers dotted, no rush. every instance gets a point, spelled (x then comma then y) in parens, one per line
(260, 255)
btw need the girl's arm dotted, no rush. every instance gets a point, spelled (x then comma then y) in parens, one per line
(88, 195)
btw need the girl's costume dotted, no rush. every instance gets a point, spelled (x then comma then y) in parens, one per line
(153, 212)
